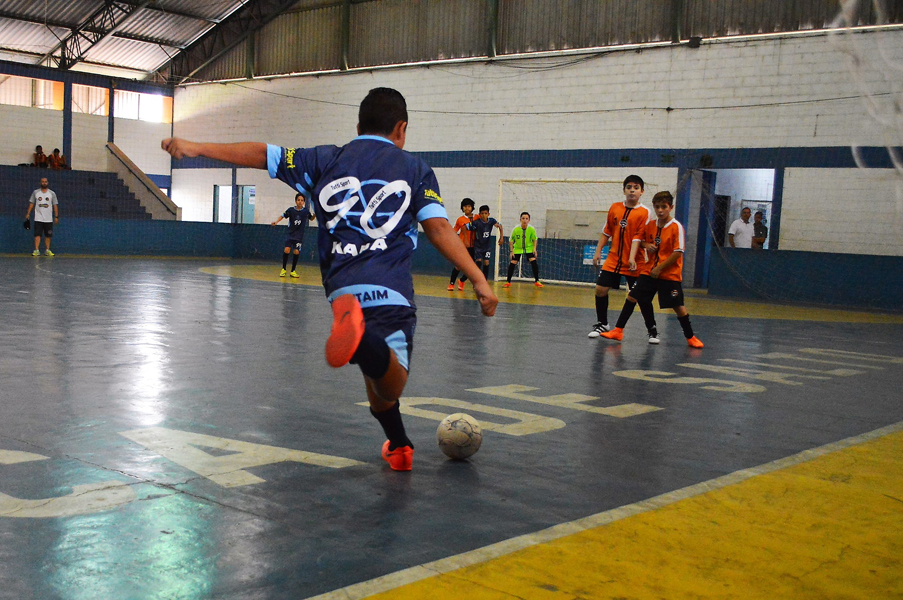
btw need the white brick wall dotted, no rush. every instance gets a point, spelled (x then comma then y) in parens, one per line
(723, 95)
(24, 128)
(89, 139)
(141, 143)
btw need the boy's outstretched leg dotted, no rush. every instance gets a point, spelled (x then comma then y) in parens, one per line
(384, 376)
(535, 266)
(649, 318)
(601, 325)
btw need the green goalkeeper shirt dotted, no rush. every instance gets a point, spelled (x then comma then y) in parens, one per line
(519, 236)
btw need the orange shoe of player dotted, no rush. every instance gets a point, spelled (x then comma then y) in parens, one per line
(537, 284)
(460, 286)
(451, 287)
(694, 342)
(615, 334)
(508, 284)
(400, 459)
(347, 330)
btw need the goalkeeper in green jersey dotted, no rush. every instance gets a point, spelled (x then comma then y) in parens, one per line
(524, 243)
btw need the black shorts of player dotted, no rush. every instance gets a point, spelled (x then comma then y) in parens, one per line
(481, 253)
(41, 226)
(529, 255)
(613, 280)
(294, 243)
(396, 325)
(670, 293)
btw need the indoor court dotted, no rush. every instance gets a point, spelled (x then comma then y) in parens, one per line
(176, 433)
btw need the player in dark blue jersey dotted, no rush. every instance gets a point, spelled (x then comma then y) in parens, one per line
(482, 237)
(298, 216)
(368, 197)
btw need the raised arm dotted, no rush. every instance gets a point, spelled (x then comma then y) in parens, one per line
(245, 154)
(443, 237)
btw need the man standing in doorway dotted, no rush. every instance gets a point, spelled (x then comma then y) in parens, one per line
(741, 233)
(760, 229)
(46, 214)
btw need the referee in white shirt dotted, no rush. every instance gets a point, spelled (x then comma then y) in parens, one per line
(46, 213)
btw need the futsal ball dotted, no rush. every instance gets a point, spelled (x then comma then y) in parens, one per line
(459, 436)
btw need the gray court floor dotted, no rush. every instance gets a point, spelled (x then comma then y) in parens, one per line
(169, 433)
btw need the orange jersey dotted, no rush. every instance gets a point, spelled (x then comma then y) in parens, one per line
(669, 239)
(464, 234)
(623, 226)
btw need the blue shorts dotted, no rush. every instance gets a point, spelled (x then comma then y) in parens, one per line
(294, 243)
(395, 324)
(482, 253)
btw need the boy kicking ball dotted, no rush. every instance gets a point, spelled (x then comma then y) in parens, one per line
(664, 239)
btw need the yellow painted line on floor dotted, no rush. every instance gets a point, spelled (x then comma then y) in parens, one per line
(824, 523)
(570, 296)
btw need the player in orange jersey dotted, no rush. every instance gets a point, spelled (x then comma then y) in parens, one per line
(624, 227)
(466, 236)
(664, 238)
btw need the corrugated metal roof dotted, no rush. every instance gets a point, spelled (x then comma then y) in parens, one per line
(29, 37)
(156, 25)
(128, 53)
(70, 13)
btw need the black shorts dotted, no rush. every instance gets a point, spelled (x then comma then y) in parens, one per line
(670, 293)
(294, 243)
(613, 280)
(396, 325)
(41, 226)
(482, 254)
(529, 255)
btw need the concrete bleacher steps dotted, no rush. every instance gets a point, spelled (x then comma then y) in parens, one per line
(89, 194)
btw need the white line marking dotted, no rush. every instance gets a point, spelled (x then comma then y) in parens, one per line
(487, 553)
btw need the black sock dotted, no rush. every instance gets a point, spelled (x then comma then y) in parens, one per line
(486, 272)
(511, 267)
(454, 276)
(393, 427)
(463, 278)
(625, 313)
(602, 309)
(685, 325)
(648, 316)
(535, 265)
(294, 261)
(372, 356)
(284, 260)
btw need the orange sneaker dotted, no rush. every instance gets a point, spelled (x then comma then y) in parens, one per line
(461, 286)
(507, 284)
(347, 330)
(537, 284)
(694, 342)
(451, 287)
(615, 334)
(400, 459)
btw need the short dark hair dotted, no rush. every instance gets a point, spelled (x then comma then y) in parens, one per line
(759, 212)
(301, 195)
(663, 197)
(635, 179)
(484, 207)
(467, 201)
(55, 150)
(525, 213)
(381, 110)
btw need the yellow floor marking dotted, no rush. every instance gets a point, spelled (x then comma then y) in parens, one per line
(825, 523)
(571, 296)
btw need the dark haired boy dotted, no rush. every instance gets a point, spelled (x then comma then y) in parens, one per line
(524, 243)
(664, 238)
(624, 228)
(298, 216)
(466, 237)
(482, 233)
(368, 197)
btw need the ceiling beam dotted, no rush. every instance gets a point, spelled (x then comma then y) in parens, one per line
(233, 30)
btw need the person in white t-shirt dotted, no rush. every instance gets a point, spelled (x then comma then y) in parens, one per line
(46, 213)
(741, 233)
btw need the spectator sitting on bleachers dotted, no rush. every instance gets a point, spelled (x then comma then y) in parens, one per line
(57, 161)
(40, 159)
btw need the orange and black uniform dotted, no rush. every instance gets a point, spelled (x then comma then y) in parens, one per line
(623, 225)
(670, 239)
(465, 234)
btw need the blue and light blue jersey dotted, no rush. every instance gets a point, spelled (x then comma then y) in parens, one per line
(368, 197)
(482, 233)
